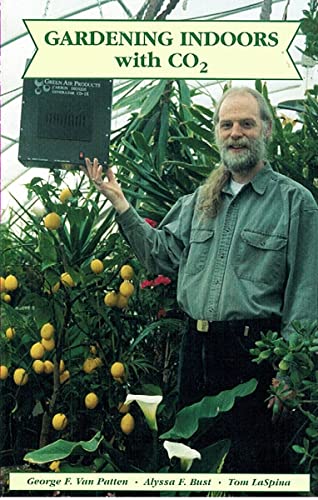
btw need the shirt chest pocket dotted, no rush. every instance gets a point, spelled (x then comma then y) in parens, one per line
(199, 247)
(261, 257)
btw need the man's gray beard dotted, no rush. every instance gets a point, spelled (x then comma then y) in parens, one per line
(244, 161)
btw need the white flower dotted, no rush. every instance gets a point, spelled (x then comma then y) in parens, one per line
(185, 453)
(148, 405)
(38, 209)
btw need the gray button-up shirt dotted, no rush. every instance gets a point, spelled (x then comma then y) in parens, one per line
(257, 257)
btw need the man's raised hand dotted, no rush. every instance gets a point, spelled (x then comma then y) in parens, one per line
(110, 187)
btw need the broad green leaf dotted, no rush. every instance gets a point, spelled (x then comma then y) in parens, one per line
(61, 449)
(188, 419)
(211, 457)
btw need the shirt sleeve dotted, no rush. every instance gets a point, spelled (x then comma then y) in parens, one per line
(301, 291)
(159, 249)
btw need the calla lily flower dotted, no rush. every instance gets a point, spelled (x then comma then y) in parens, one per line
(148, 405)
(185, 453)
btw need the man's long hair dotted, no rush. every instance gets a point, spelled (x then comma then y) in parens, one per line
(210, 199)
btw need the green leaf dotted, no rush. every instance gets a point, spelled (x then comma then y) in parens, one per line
(298, 449)
(61, 449)
(141, 142)
(153, 98)
(211, 457)
(197, 145)
(171, 323)
(188, 419)
(293, 105)
(151, 390)
(47, 251)
(200, 131)
(163, 134)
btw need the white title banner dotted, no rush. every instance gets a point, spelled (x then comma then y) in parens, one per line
(162, 49)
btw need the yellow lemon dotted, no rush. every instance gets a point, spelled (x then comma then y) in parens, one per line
(48, 344)
(38, 366)
(126, 288)
(56, 287)
(20, 376)
(37, 351)
(11, 283)
(89, 365)
(117, 369)
(92, 350)
(110, 299)
(97, 266)
(55, 466)
(67, 280)
(48, 366)
(65, 195)
(4, 372)
(127, 272)
(52, 221)
(47, 331)
(59, 421)
(91, 400)
(98, 361)
(122, 301)
(7, 298)
(62, 366)
(52, 289)
(10, 333)
(122, 408)
(64, 376)
(127, 423)
(2, 284)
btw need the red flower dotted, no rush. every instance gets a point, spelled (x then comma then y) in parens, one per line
(151, 222)
(161, 280)
(146, 283)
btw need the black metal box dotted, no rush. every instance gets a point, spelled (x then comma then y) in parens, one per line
(64, 120)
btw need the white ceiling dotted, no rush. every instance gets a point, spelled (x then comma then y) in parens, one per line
(14, 55)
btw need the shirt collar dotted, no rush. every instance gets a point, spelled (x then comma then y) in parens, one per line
(261, 179)
(258, 183)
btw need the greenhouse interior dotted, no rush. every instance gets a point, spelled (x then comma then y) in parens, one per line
(98, 291)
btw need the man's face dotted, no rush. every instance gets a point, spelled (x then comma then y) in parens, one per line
(239, 133)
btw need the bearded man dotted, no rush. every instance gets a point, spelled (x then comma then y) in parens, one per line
(244, 249)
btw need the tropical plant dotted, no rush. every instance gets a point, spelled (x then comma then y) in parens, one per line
(296, 387)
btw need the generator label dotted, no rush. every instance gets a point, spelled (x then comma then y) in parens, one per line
(161, 49)
(64, 87)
